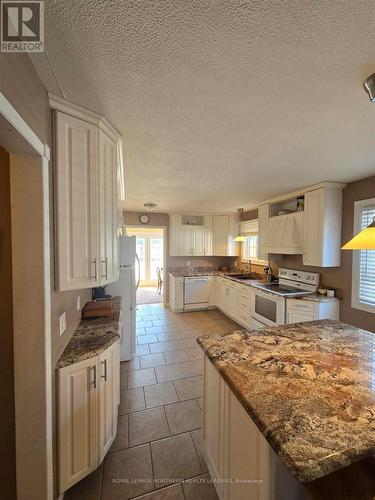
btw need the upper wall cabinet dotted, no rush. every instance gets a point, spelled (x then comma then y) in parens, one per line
(87, 172)
(322, 228)
(203, 235)
(314, 231)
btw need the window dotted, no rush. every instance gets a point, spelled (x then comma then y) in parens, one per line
(363, 287)
(250, 247)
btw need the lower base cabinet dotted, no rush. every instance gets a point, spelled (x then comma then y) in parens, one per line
(88, 399)
(242, 464)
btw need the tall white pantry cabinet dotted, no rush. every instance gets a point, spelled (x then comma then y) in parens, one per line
(88, 171)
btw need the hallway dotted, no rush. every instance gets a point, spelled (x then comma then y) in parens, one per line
(157, 452)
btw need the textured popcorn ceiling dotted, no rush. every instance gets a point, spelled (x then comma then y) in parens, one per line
(222, 104)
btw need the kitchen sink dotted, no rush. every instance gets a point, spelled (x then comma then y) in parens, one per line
(242, 276)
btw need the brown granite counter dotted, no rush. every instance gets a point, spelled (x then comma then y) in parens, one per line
(309, 388)
(317, 297)
(92, 337)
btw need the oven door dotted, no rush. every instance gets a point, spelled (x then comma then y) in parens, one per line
(269, 308)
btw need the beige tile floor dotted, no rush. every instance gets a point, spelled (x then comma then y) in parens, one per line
(157, 453)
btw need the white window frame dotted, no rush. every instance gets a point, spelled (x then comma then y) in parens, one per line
(356, 303)
(249, 228)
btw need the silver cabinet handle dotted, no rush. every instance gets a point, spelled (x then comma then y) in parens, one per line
(93, 383)
(105, 262)
(95, 277)
(105, 370)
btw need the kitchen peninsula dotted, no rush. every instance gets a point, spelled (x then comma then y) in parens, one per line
(285, 406)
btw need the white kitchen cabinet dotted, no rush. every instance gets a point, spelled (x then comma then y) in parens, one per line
(233, 446)
(77, 202)
(207, 221)
(285, 234)
(106, 401)
(109, 223)
(175, 228)
(263, 216)
(220, 229)
(212, 296)
(322, 228)
(224, 230)
(78, 422)
(176, 293)
(88, 396)
(88, 172)
(298, 310)
(193, 239)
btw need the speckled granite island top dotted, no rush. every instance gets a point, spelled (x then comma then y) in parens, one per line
(309, 388)
(92, 337)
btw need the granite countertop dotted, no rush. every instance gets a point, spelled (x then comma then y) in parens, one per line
(309, 388)
(181, 273)
(92, 337)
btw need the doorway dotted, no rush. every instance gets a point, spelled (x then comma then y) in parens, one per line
(150, 265)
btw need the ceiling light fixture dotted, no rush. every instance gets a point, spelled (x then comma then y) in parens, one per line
(369, 85)
(365, 240)
(150, 206)
(239, 238)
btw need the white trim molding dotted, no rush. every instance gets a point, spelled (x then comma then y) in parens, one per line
(34, 476)
(356, 303)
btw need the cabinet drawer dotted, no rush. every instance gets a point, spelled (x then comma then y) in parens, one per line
(302, 305)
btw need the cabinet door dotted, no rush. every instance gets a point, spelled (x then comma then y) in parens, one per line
(247, 456)
(76, 203)
(77, 422)
(313, 231)
(116, 384)
(298, 317)
(220, 229)
(109, 268)
(199, 240)
(106, 370)
(213, 424)
(263, 214)
(208, 235)
(188, 239)
(175, 235)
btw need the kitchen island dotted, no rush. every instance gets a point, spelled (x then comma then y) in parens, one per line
(287, 405)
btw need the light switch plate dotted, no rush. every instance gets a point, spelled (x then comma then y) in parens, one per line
(62, 323)
(78, 303)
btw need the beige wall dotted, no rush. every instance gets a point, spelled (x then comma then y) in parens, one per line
(339, 277)
(21, 85)
(7, 429)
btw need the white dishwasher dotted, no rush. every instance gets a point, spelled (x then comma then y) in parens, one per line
(196, 292)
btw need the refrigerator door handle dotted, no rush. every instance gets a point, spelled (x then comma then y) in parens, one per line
(139, 272)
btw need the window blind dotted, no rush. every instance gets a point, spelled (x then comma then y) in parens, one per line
(367, 263)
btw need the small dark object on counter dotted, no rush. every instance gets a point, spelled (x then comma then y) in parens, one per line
(98, 309)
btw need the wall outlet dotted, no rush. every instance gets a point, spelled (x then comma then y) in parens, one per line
(78, 303)
(62, 323)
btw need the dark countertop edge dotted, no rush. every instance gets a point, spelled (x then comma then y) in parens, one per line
(285, 458)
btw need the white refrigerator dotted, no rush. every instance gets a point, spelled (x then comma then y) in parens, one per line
(126, 287)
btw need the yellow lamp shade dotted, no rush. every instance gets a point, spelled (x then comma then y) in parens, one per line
(239, 238)
(365, 240)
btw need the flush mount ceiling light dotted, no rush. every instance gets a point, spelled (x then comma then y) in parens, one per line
(365, 240)
(369, 85)
(150, 206)
(239, 237)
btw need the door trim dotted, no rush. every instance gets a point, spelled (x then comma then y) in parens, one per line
(32, 340)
